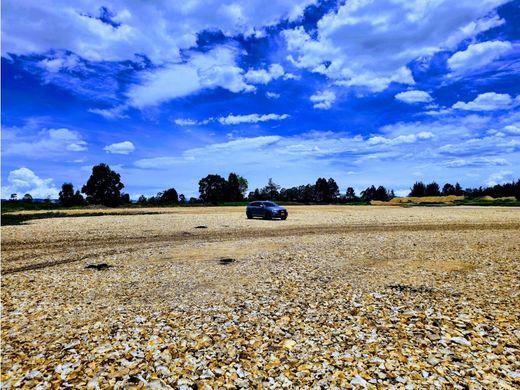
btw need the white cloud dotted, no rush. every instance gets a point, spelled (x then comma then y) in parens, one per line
(262, 76)
(500, 178)
(60, 61)
(185, 122)
(400, 139)
(77, 27)
(215, 68)
(435, 149)
(22, 181)
(488, 101)
(414, 96)
(117, 112)
(124, 147)
(369, 44)
(323, 99)
(512, 129)
(46, 142)
(477, 55)
(251, 118)
(272, 95)
(233, 119)
(476, 162)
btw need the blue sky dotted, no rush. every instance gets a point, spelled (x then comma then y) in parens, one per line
(386, 92)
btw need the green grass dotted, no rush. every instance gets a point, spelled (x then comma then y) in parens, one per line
(483, 202)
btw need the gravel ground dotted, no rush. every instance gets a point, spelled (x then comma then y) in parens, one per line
(334, 297)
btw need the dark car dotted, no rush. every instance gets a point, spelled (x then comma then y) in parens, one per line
(266, 210)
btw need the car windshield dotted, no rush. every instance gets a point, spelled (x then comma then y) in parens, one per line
(270, 204)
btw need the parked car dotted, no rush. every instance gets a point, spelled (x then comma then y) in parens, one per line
(266, 210)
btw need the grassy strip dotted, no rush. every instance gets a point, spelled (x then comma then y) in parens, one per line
(484, 202)
(17, 219)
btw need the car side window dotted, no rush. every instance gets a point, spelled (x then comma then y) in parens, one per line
(254, 204)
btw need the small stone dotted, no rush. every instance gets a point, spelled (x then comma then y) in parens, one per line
(357, 380)
(461, 341)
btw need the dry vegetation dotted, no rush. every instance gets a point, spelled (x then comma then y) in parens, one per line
(335, 297)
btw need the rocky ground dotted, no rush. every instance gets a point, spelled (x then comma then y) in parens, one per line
(334, 297)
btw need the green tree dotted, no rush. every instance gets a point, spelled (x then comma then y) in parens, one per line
(233, 191)
(243, 185)
(66, 196)
(350, 194)
(333, 189)
(432, 189)
(104, 186)
(271, 189)
(212, 189)
(27, 198)
(418, 189)
(169, 196)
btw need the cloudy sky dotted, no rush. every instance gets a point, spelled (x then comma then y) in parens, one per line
(367, 92)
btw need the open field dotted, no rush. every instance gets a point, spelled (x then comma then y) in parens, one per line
(335, 296)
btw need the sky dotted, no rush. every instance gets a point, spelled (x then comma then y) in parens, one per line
(384, 92)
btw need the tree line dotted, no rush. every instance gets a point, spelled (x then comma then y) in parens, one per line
(104, 187)
(512, 189)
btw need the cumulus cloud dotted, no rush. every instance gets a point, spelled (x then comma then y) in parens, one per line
(477, 55)
(369, 44)
(24, 181)
(215, 68)
(500, 178)
(414, 96)
(272, 95)
(60, 61)
(125, 28)
(46, 142)
(124, 147)
(488, 101)
(262, 76)
(323, 100)
(251, 118)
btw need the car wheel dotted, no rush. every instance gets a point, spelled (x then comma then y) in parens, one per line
(284, 218)
(249, 215)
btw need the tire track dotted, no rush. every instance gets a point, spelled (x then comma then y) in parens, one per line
(104, 246)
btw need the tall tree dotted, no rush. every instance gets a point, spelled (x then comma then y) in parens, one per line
(321, 190)
(350, 194)
(104, 186)
(169, 196)
(333, 189)
(243, 185)
(66, 195)
(233, 191)
(271, 189)
(448, 189)
(212, 189)
(418, 189)
(432, 189)
(458, 190)
(27, 198)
